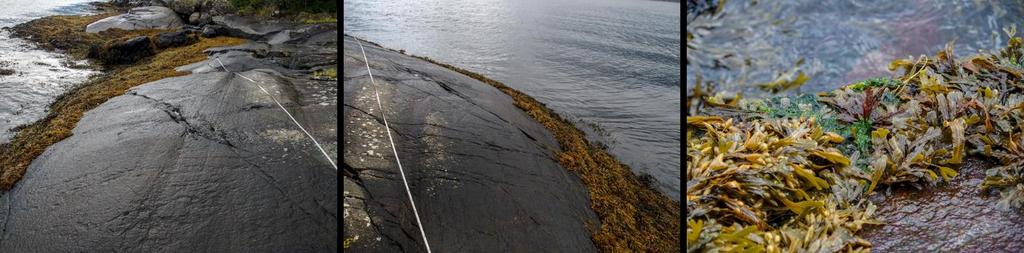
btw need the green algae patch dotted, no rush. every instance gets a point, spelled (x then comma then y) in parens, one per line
(766, 176)
(32, 139)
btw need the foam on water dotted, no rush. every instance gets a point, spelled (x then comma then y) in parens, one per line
(40, 76)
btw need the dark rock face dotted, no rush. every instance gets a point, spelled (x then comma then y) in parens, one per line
(135, 3)
(199, 18)
(248, 27)
(125, 52)
(174, 39)
(198, 163)
(483, 173)
(209, 31)
(949, 217)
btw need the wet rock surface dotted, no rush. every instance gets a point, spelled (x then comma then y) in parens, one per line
(248, 27)
(174, 39)
(199, 163)
(149, 17)
(482, 172)
(952, 217)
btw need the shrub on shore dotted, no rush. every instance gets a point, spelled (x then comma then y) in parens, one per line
(267, 7)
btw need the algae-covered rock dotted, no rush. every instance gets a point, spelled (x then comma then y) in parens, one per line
(124, 52)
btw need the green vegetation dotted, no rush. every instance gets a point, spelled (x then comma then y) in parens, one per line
(267, 7)
(878, 82)
(329, 73)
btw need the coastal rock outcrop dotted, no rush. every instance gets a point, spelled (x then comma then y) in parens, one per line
(124, 52)
(149, 17)
(174, 39)
(205, 162)
(483, 173)
(248, 27)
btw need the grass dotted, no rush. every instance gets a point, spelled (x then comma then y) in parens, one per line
(64, 33)
(634, 216)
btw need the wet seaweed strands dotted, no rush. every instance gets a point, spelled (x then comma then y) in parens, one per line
(792, 174)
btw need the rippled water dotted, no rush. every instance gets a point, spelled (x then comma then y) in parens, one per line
(840, 42)
(40, 76)
(610, 66)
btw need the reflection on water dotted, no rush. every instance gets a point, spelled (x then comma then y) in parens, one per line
(39, 76)
(839, 41)
(610, 66)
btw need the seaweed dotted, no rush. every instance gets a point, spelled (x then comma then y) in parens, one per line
(786, 179)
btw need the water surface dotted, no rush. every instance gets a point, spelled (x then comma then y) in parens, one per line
(611, 67)
(838, 42)
(40, 76)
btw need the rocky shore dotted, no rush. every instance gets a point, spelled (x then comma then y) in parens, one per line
(168, 152)
(489, 168)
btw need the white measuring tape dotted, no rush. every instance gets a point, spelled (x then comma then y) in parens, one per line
(285, 111)
(388, 129)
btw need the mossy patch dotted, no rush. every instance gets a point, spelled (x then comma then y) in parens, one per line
(878, 82)
(327, 73)
(32, 139)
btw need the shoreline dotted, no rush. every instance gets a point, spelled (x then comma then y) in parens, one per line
(161, 152)
(634, 215)
(60, 33)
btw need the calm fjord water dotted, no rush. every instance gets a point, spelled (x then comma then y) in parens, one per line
(40, 76)
(611, 67)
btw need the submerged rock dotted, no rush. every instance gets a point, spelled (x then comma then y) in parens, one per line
(955, 217)
(149, 17)
(483, 173)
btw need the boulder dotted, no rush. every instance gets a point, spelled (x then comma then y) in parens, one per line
(199, 18)
(174, 39)
(210, 31)
(149, 17)
(125, 52)
(188, 7)
(136, 3)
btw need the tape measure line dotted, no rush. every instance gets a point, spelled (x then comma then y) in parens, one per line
(286, 112)
(388, 129)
